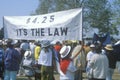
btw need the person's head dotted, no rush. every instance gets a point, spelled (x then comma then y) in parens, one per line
(108, 48)
(98, 49)
(37, 43)
(24, 40)
(45, 45)
(79, 42)
(98, 43)
(58, 43)
(65, 52)
(16, 43)
(11, 43)
(88, 44)
(92, 47)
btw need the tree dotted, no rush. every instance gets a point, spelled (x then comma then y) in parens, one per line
(96, 13)
(116, 10)
(47, 6)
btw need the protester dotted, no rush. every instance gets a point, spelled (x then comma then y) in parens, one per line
(87, 48)
(28, 63)
(89, 57)
(57, 47)
(116, 47)
(17, 47)
(79, 60)
(25, 45)
(66, 64)
(1, 60)
(36, 56)
(91, 52)
(112, 61)
(46, 59)
(11, 61)
(98, 65)
(32, 47)
(37, 51)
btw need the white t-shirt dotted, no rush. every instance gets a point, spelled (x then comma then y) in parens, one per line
(89, 55)
(70, 72)
(99, 64)
(45, 58)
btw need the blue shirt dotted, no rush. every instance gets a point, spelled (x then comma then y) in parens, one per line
(12, 59)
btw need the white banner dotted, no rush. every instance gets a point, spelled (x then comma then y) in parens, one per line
(63, 25)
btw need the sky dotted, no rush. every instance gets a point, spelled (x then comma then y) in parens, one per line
(17, 8)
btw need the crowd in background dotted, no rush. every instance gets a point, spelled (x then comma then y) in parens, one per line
(40, 59)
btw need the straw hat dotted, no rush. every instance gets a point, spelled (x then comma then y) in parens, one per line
(108, 47)
(65, 50)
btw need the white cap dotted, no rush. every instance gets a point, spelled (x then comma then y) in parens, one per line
(92, 45)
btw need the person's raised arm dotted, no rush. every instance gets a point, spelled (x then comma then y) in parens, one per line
(82, 45)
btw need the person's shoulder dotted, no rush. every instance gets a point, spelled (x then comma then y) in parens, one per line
(89, 52)
(1, 49)
(77, 48)
(16, 51)
(37, 47)
(95, 55)
(8, 49)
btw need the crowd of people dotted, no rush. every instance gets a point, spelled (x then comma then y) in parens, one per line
(40, 59)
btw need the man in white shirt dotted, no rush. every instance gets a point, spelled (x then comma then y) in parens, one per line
(91, 52)
(46, 61)
(98, 65)
(89, 57)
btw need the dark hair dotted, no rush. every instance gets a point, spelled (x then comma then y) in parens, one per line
(98, 49)
(88, 44)
(9, 45)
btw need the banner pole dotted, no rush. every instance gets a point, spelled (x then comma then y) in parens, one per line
(82, 23)
(3, 28)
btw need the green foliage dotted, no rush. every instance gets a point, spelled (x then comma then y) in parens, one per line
(116, 10)
(47, 6)
(96, 13)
